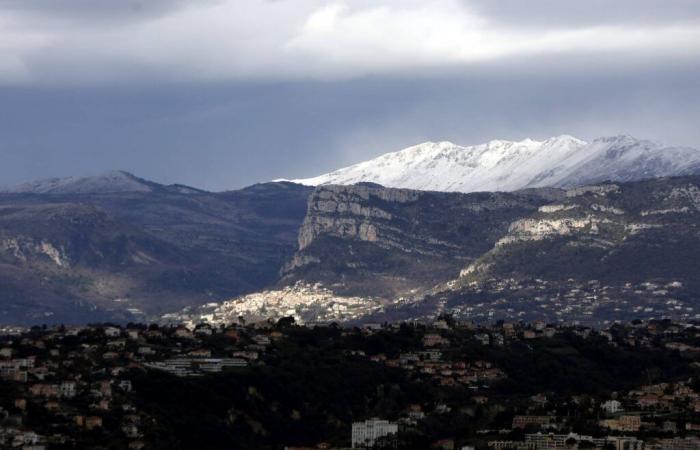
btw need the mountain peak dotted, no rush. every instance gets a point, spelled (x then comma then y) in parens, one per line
(423, 147)
(503, 165)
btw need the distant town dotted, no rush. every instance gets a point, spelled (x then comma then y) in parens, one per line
(447, 384)
(588, 302)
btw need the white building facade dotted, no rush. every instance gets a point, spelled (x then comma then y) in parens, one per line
(365, 434)
(611, 406)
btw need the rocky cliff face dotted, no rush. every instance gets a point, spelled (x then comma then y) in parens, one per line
(619, 232)
(370, 240)
(613, 251)
(591, 253)
(344, 212)
(368, 214)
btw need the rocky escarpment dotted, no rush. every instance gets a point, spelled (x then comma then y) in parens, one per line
(603, 230)
(346, 212)
(370, 240)
(367, 214)
(613, 251)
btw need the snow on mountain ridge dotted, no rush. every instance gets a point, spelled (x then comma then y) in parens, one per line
(501, 165)
(109, 182)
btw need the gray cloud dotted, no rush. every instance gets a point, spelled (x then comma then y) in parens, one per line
(77, 41)
(223, 93)
(93, 10)
(230, 135)
(584, 13)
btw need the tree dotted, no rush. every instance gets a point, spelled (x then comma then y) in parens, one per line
(286, 322)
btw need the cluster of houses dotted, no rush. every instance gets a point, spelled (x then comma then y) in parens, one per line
(307, 303)
(590, 302)
(575, 441)
(552, 441)
(652, 417)
(431, 361)
(76, 379)
(625, 416)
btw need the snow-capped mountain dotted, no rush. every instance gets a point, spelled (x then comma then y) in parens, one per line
(501, 165)
(109, 182)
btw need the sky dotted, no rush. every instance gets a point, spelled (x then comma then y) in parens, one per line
(220, 94)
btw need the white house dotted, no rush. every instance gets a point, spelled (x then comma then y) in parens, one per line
(611, 406)
(112, 331)
(365, 434)
(67, 389)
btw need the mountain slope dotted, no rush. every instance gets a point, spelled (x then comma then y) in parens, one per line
(611, 222)
(614, 251)
(374, 241)
(610, 251)
(75, 256)
(67, 262)
(499, 165)
(109, 182)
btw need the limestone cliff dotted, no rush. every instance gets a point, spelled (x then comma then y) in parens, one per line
(379, 241)
(596, 226)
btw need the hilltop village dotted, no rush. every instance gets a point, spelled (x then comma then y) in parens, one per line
(278, 385)
(590, 302)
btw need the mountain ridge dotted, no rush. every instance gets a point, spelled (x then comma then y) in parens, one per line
(502, 165)
(118, 246)
(107, 182)
(590, 254)
(110, 182)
